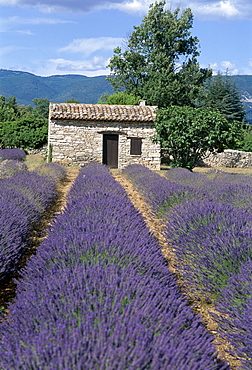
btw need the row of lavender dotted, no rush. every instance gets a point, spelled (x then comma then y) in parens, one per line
(98, 293)
(209, 221)
(24, 198)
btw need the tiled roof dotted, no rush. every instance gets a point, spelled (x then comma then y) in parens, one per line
(102, 112)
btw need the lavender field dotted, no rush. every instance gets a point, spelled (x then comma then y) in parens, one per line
(98, 293)
(208, 225)
(25, 196)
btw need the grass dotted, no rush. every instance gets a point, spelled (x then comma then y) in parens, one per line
(34, 160)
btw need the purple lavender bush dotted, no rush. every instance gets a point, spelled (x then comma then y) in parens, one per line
(210, 237)
(39, 189)
(9, 167)
(14, 154)
(98, 293)
(14, 233)
(210, 240)
(233, 178)
(235, 305)
(229, 188)
(237, 195)
(24, 198)
(161, 193)
(184, 176)
(18, 201)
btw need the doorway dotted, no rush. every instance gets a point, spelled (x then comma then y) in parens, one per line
(110, 150)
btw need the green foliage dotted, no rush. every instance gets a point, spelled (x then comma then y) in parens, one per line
(160, 62)
(41, 108)
(8, 108)
(188, 133)
(26, 132)
(23, 127)
(72, 100)
(50, 149)
(221, 93)
(6, 113)
(119, 98)
(246, 140)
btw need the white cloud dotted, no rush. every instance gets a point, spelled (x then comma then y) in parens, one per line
(216, 9)
(227, 65)
(133, 7)
(201, 8)
(224, 66)
(90, 45)
(9, 23)
(25, 32)
(92, 67)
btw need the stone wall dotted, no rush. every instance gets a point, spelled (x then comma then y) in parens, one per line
(228, 158)
(76, 142)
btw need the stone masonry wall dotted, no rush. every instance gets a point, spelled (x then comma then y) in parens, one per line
(229, 158)
(76, 142)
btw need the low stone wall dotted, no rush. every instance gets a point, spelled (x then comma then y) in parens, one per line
(229, 158)
(41, 151)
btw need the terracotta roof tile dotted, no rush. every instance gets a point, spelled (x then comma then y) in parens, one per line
(102, 112)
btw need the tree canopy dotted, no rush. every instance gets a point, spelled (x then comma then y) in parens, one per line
(221, 93)
(23, 126)
(72, 100)
(120, 97)
(160, 61)
(188, 133)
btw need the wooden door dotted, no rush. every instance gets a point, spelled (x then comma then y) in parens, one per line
(110, 150)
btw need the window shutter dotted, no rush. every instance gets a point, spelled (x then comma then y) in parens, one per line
(135, 146)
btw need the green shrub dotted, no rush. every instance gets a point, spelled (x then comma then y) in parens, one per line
(27, 132)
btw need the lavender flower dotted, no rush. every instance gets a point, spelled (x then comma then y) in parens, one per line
(211, 236)
(24, 198)
(9, 167)
(98, 293)
(211, 241)
(235, 302)
(14, 154)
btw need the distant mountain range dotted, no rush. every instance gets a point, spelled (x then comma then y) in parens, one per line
(59, 88)
(27, 86)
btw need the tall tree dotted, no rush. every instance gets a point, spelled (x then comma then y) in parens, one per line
(221, 93)
(160, 61)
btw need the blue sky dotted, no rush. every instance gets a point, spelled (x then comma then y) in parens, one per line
(48, 37)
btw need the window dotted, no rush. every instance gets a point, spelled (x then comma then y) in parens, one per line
(135, 146)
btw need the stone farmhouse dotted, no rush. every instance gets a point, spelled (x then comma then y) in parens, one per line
(116, 135)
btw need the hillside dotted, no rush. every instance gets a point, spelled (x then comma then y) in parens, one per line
(27, 86)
